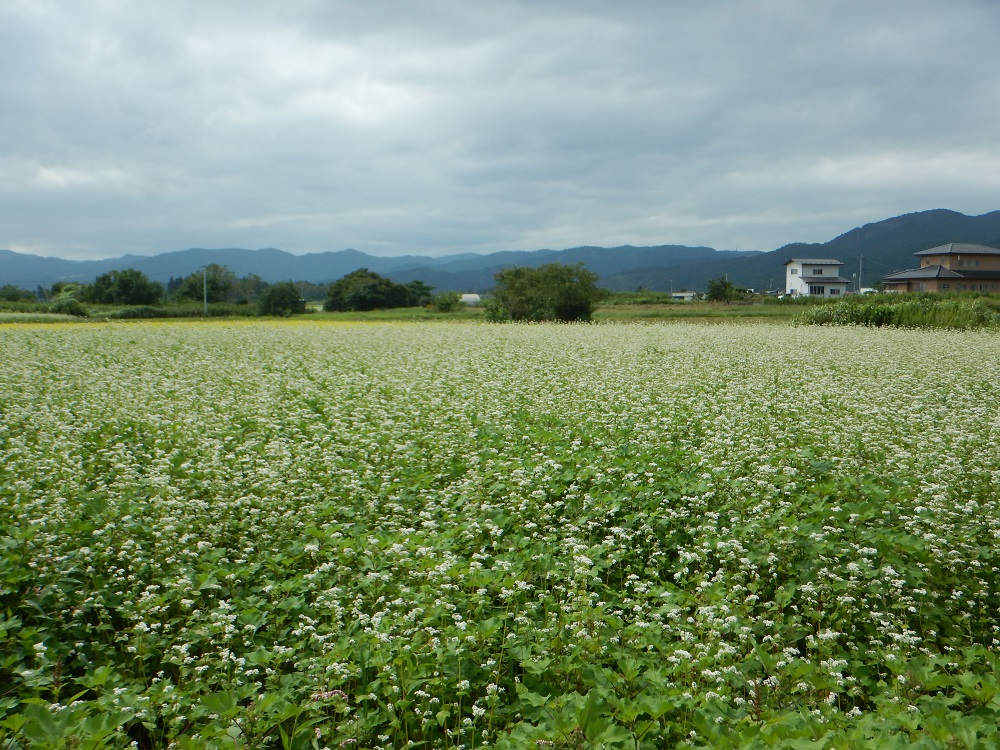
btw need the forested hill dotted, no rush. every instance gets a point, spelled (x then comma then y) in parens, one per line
(465, 272)
(885, 246)
(881, 247)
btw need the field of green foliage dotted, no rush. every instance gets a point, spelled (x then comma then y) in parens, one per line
(310, 535)
(959, 311)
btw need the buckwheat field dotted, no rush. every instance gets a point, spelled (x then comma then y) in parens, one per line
(314, 535)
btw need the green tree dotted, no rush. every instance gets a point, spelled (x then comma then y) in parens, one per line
(221, 283)
(421, 294)
(11, 293)
(68, 306)
(312, 292)
(550, 292)
(128, 287)
(250, 288)
(723, 290)
(365, 290)
(281, 299)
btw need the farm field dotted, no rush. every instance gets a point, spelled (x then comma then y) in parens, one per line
(699, 312)
(303, 534)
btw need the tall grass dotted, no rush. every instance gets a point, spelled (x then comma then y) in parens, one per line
(922, 310)
(639, 298)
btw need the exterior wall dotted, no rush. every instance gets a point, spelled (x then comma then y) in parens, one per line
(944, 285)
(838, 289)
(799, 277)
(973, 285)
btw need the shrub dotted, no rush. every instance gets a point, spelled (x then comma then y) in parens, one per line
(447, 302)
(68, 306)
(32, 306)
(550, 292)
(642, 297)
(140, 311)
(216, 310)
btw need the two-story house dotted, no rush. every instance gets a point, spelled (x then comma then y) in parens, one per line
(815, 277)
(955, 267)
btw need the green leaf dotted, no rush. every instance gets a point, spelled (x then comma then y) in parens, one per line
(223, 704)
(614, 734)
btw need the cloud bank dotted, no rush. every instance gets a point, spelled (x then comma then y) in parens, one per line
(441, 127)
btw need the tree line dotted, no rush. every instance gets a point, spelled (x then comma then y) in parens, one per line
(130, 287)
(549, 292)
(215, 285)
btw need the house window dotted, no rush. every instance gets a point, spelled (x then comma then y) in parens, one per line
(817, 272)
(793, 271)
(834, 292)
(820, 290)
(945, 287)
(968, 264)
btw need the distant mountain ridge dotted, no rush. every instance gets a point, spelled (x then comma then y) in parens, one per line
(464, 272)
(884, 246)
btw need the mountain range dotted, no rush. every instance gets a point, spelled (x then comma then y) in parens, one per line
(874, 249)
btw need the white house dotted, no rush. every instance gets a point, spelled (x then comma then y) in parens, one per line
(814, 277)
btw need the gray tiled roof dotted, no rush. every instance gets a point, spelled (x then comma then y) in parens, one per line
(816, 261)
(960, 248)
(928, 272)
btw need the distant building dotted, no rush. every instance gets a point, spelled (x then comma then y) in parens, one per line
(684, 296)
(472, 300)
(955, 267)
(814, 277)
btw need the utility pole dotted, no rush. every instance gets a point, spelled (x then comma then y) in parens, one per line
(860, 260)
(204, 287)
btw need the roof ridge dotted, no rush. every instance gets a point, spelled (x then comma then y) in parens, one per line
(955, 248)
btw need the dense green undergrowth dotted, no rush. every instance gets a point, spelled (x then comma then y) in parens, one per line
(953, 311)
(303, 535)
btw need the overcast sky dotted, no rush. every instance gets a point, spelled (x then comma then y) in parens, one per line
(444, 126)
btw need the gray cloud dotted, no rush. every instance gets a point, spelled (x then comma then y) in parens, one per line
(447, 126)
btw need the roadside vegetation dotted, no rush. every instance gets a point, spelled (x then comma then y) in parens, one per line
(919, 310)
